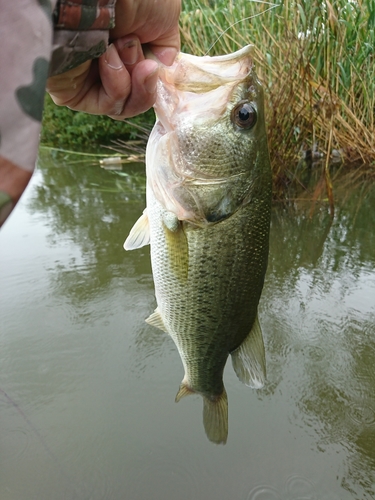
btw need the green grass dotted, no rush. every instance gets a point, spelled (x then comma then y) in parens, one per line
(316, 60)
(64, 128)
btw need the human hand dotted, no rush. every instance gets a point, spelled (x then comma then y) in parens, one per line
(122, 83)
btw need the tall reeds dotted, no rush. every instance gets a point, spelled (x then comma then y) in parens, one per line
(316, 60)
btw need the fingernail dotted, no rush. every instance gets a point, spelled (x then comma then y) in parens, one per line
(112, 58)
(165, 55)
(128, 50)
(152, 80)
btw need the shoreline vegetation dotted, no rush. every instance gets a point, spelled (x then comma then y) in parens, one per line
(316, 60)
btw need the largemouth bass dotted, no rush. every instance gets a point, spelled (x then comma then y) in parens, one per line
(207, 221)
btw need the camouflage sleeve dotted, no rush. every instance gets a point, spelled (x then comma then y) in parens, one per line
(81, 32)
(28, 34)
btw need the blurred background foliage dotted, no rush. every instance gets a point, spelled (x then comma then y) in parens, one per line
(316, 60)
(65, 128)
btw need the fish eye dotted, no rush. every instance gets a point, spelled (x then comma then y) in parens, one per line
(244, 115)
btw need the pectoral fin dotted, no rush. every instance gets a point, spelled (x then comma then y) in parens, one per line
(139, 235)
(249, 361)
(177, 245)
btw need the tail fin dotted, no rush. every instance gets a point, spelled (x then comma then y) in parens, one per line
(215, 418)
(215, 414)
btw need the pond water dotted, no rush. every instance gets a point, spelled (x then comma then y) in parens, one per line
(87, 388)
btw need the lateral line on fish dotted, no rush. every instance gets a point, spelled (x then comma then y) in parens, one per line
(273, 6)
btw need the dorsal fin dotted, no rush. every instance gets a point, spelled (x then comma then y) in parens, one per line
(249, 361)
(139, 235)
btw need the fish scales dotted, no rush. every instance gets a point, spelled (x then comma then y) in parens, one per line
(207, 221)
(211, 311)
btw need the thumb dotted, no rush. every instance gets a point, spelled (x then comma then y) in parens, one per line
(167, 46)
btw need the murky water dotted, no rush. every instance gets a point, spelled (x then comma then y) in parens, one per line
(87, 388)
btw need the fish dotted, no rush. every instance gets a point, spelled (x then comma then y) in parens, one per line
(207, 220)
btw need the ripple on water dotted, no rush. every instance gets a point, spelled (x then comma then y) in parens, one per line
(315, 353)
(264, 492)
(300, 488)
(14, 445)
(362, 414)
(296, 487)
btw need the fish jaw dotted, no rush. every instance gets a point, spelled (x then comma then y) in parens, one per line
(191, 174)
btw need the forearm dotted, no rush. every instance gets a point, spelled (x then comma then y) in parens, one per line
(13, 181)
(120, 83)
(27, 32)
(26, 29)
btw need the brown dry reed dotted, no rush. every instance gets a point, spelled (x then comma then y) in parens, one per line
(316, 61)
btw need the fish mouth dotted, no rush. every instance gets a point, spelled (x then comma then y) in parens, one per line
(202, 74)
(194, 83)
(195, 92)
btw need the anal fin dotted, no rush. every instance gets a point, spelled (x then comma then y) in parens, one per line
(249, 360)
(183, 391)
(156, 320)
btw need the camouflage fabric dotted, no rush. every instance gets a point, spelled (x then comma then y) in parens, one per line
(84, 14)
(81, 32)
(26, 27)
(72, 48)
(26, 30)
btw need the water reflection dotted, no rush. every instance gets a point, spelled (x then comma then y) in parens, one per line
(98, 383)
(323, 307)
(92, 209)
